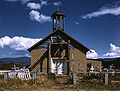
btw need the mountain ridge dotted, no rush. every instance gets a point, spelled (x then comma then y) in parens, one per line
(106, 62)
(19, 60)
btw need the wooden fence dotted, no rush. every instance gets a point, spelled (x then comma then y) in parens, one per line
(28, 75)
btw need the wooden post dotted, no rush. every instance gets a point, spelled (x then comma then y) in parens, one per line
(53, 24)
(34, 77)
(74, 75)
(49, 59)
(56, 22)
(106, 78)
(113, 73)
(5, 77)
(56, 67)
(63, 23)
(68, 63)
(100, 67)
(60, 22)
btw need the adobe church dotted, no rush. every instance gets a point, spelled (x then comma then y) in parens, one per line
(58, 52)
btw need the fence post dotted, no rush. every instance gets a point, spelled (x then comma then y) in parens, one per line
(106, 78)
(113, 73)
(5, 77)
(34, 77)
(74, 76)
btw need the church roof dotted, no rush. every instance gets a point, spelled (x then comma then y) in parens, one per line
(65, 37)
(57, 13)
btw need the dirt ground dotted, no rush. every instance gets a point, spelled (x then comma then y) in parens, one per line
(46, 89)
(51, 83)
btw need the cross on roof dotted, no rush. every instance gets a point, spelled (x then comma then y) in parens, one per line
(59, 5)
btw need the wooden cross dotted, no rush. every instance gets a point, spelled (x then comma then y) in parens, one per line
(59, 5)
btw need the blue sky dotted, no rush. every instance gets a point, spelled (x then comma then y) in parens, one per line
(96, 24)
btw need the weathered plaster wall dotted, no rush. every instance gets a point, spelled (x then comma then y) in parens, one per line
(34, 55)
(96, 64)
(81, 60)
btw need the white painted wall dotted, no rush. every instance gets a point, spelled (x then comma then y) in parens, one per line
(59, 65)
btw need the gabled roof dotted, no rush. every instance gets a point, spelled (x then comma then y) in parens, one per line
(65, 37)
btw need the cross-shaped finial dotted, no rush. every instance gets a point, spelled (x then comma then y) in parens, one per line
(58, 5)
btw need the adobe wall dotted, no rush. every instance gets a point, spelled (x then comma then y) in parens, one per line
(34, 55)
(78, 55)
(81, 61)
(96, 64)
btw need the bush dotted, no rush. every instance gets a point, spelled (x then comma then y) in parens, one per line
(69, 81)
(51, 76)
(1, 76)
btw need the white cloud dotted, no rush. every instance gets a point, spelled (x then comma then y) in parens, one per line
(76, 22)
(92, 54)
(12, 0)
(104, 11)
(23, 1)
(43, 2)
(35, 15)
(34, 5)
(17, 43)
(114, 51)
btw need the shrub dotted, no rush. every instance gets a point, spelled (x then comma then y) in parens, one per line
(51, 76)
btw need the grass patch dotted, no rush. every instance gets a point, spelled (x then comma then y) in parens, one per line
(49, 82)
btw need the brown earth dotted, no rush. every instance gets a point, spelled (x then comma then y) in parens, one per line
(60, 83)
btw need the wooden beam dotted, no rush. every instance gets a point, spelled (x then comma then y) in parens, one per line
(53, 24)
(75, 59)
(43, 45)
(54, 37)
(68, 63)
(56, 22)
(60, 58)
(60, 22)
(63, 23)
(49, 59)
(37, 61)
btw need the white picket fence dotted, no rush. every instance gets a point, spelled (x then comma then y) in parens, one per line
(20, 75)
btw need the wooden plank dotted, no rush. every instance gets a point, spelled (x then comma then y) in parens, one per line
(63, 23)
(56, 23)
(75, 59)
(106, 78)
(60, 22)
(37, 61)
(61, 58)
(5, 77)
(54, 37)
(43, 45)
(74, 76)
(49, 59)
(53, 24)
(34, 77)
(68, 53)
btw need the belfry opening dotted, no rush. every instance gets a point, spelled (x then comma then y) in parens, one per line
(58, 19)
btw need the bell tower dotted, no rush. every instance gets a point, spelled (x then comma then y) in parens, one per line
(58, 20)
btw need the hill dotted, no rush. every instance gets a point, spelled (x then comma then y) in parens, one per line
(107, 62)
(19, 60)
(25, 61)
(8, 63)
(9, 66)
